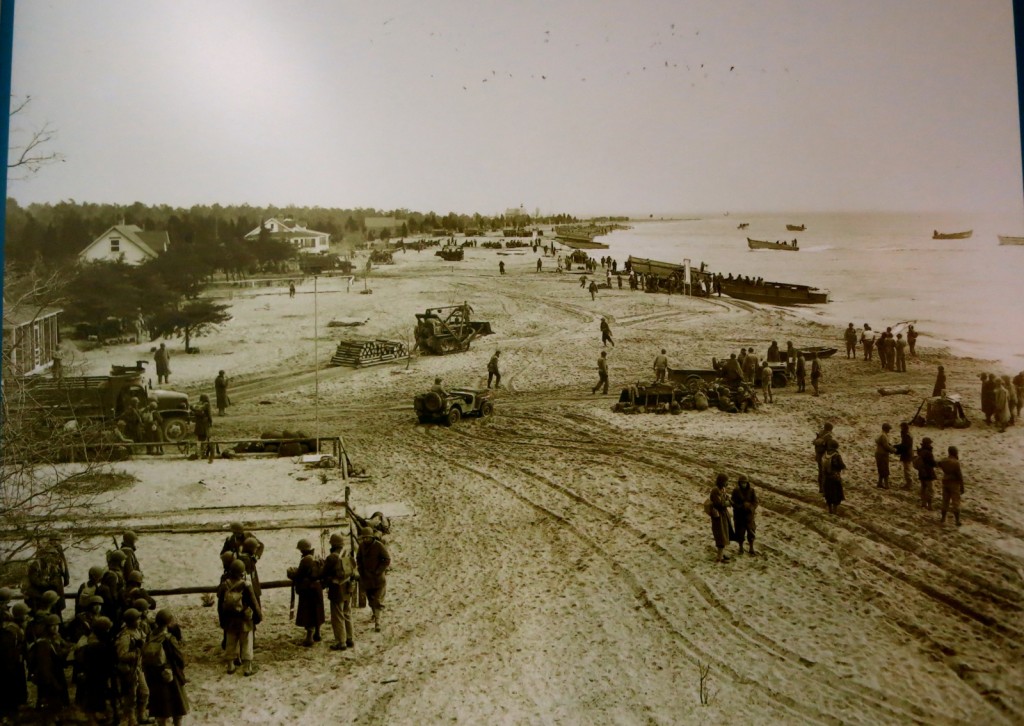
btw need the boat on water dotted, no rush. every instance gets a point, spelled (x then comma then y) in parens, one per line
(773, 293)
(1006, 240)
(756, 244)
(743, 225)
(796, 227)
(579, 241)
(655, 268)
(936, 234)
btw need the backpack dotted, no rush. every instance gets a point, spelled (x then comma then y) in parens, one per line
(827, 463)
(234, 599)
(917, 462)
(317, 571)
(707, 506)
(153, 653)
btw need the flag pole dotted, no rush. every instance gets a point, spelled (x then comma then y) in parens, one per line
(316, 364)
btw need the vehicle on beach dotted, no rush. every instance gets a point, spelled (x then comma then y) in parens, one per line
(448, 329)
(796, 227)
(450, 408)
(756, 244)
(450, 254)
(936, 234)
(1007, 240)
(818, 351)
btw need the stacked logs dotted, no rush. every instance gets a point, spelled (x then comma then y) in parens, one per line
(358, 352)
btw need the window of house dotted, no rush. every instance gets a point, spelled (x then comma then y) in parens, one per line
(115, 245)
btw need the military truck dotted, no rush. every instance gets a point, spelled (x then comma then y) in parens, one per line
(453, 407)
(100, 399)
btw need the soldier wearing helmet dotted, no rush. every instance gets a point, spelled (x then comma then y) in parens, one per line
(135, 592)
(46, 657)
(47, 571)
(373, 561)
(250, 555)
(339, 575)
(236, 541)
(128, 646)
(166, 680)
(14, 693)
(96, 667)
(128, 540)
(239, 613)
(88, 588)
(307, 585)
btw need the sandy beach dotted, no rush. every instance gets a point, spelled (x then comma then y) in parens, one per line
(553, 563)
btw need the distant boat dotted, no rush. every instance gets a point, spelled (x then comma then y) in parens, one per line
(756, 244)
(936, 234)
(743, 225)
(796, 227)
(1004, 240)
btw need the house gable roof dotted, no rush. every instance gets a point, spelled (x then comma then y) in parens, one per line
(151, 243)
(287, 231)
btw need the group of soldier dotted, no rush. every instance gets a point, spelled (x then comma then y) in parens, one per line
(892, 349)
(125, 657)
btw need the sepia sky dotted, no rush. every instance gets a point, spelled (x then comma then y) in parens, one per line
(632, 107)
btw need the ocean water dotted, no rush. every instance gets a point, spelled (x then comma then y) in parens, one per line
(880, 268)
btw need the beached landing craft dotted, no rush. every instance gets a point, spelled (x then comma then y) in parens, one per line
(756, 244)
(774, 293)
(1005, 240)
(936, 234)
(796, 227)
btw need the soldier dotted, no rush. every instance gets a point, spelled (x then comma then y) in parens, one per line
(220, 386)
(901, 354)
(952, 484)
(883, 450)
(602, 373)
(134, 592)
(925, 464)
(235, 541)
(815, 372)
(162, 357)
(832, 466)
(939, 388)
(766, 383)
(250, 549)
(306, 584)
(906, 451)
(128, 541)
(660, 367)
(867, 338)
(492, 370)
(912, 341)
(14, 693)
(850, 336)
(48, 571)
(133, 689)
(373, 561)
(239, 613)
(339, 574)
(606, 333)
(6, 595)
(749, 367)
(744, 511)
(97, 672)
(46, 657)
(164, 667)
(821, 440)
(801, 373)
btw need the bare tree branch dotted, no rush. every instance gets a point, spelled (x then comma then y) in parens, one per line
(32, 156)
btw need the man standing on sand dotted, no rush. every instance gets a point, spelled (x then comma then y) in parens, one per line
(291, 288)
(901, 354)
(906, 451)
(815, 372)
(593, 290)
(867, 338)
(744, 512)
(832, 465)
(306, 581)
(926, 472)
(883, 450)
(373, 561)
(162, 358)
(988, 396)
(952, 484)
(1002, 405)
(339, 574)
(539, 264)
(766, 383)
(606, 333)
(749, 367)
(821, 440)
(602, 373)
(851, 341)
(492, 370)
(220, 386)
(801, 373)
(912, 341)
(940, 382)
(718, 510)
(660, 367)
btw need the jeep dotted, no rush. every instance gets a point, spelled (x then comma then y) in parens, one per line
(460, 402)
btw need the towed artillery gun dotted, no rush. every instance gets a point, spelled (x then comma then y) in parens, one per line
(448, 329)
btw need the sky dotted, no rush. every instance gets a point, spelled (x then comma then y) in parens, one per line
(635, 107)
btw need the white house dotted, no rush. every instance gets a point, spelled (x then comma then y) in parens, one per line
(126, 242)
(305, 240)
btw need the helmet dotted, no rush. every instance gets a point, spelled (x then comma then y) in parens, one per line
(742, 478)
(130, 616)
(251, 544)
(102, 624)
(303, 545)
(95, 572)
(19, 610)
(6, 594)
(50, 597)
(134, 576)
(53, 619)
(237, 527)
(129, 537)
(227, 557)
(141, 604)
(926, 441)
(237, 568)
(117, 556)
(337, 540)
(165, 617)
(366, 532)
(95, 600)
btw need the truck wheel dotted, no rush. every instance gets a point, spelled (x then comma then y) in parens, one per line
(174, 429)
(486, 408)
(693, 383)
(779, 379)
(454, 416)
